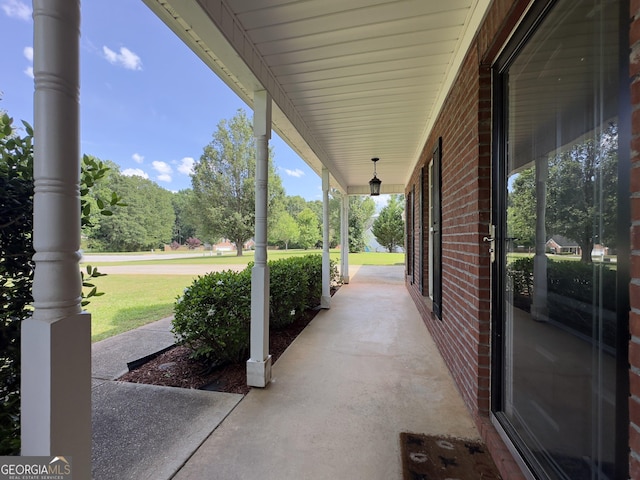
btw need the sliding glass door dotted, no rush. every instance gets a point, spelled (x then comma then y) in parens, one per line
(558, 231)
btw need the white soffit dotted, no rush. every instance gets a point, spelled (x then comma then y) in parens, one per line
(350, 79)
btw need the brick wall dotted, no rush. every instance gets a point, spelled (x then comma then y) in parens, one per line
(463, 335)
(634, 288)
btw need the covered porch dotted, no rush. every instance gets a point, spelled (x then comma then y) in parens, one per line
(341, 84)
(360, 374)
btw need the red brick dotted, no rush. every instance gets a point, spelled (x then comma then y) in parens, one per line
(635, 91)
(635, 147)
(635, 207)
(634, 296)
(634, 468)
(634, 354)
(634, 411)
(635, 237)
(634, 32)
(634, 324)
(634, 11)
(634, 384)
(465, 123)
(634, 439)
(635, 115)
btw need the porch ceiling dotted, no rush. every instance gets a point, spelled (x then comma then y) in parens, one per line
(350, 79)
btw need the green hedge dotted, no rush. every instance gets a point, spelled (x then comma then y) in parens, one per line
(570, 279)
(213, 316)
(573, 287)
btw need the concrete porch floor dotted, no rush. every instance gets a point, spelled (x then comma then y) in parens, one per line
(360, 373)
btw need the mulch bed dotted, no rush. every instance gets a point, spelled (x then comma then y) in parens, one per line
(176, 368)
(431, 457)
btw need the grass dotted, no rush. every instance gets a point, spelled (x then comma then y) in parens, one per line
(131, 301)
(368, 258)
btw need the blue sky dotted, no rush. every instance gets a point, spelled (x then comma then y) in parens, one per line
(146, 101)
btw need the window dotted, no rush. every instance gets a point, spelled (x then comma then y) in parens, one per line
(559, 292)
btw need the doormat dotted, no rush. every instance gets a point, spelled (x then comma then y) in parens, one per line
(430, 457)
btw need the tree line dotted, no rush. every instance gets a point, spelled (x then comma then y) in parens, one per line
(580, 195)
(221, 203)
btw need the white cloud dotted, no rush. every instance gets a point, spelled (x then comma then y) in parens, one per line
(186, 165)
(137, 158)
(294, 173)
(138, 172)
(162, 167)
(126, 58)
(17, 9)
(28, 54)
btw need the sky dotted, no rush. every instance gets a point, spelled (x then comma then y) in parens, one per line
(146, 101)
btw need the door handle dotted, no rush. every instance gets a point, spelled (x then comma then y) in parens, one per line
(491, 240)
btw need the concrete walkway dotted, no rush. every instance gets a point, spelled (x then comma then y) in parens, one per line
(357, 376)
(145, 431)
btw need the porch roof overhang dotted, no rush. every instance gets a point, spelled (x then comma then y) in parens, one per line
(350, 80)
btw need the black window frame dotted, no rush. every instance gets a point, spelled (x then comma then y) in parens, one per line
(534, 17)
(436, 226)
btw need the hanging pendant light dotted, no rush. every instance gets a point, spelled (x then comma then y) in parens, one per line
(374, 183)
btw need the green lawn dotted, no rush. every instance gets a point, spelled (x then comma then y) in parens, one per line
(368, 258)
(134, 300)
(131, 301)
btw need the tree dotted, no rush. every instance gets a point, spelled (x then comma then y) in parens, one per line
(224, 183)
(581, 198)
(285, 230)
(521, 210)
(183, 206)
(582, 192)
(294, 205)
(388, 228)
(146, 221)
(318, 208)
(361, 209)
(309, 229)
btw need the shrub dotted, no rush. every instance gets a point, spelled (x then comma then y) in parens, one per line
(579, 281)
(570, 279)
(16, 271)
(193, 243)
(213, 316)
(288, 292)
(299, 287)
(312, 264)
(521, 273)
(16, 265)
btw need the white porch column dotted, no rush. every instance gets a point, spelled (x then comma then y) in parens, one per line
(259, 365)
(325, 301)
(56, 340)
(539, 308)
(344, 239)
